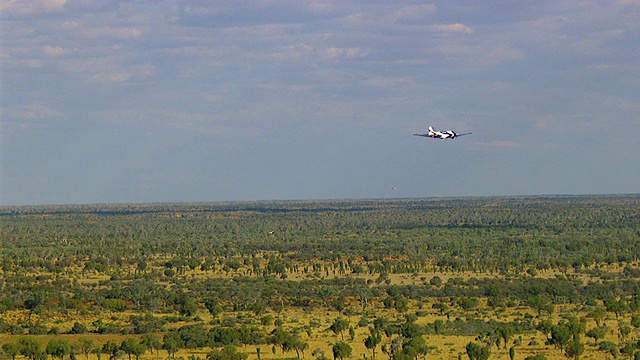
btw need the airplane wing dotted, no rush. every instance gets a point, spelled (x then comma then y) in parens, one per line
(442, 136)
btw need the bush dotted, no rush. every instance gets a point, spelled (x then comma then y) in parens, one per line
(78, 328)
(536, 357)
(118, 305)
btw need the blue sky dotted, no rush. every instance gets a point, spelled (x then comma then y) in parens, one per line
(105, 101)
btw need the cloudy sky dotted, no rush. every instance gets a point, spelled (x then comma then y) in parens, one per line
(106, 101)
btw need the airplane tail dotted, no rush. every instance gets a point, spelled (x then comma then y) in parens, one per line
(431, 129)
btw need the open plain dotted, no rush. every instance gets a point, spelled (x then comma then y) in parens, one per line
(498, 278)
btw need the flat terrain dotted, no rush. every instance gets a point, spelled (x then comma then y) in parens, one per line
(276, 279)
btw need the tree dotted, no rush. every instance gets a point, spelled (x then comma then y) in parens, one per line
(186, 305)
(598, 333)
(624, 330)
(545, 327)
(477, 352)
(172, 343)
(574, 348)
(282, 337)
(131, 347)
(505, 331)
(415, 347)
(339, 326)
(58, 348)
(98, 352)
(152, 342)
(598, 314)
(438, 326)
(560, 335)
(288, 341)
(394, 349)
(251, 335)
(467, 303)
(635, 320)
(436, 281)
(541, 303)
(138, 350)
(401, 304)
(609, 347)
(441, 306)
(628, 349)
(299, 346)
(30, 348)
(229, 352)
(196, 336)
(380, 323)
(127, 346)
(86, 345)
(616, 306)
(213, 306)
(141, 267)
(110, 348)
(11, 349)
(341, 350)
(577, 326)
(372, 341)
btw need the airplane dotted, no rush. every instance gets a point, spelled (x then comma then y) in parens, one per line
(449, 134)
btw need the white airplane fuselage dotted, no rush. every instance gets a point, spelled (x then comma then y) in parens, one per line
(441, 134)
(449, 134)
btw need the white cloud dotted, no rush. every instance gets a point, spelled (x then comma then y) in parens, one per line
(566, 124)
(452, 28)
(31, 111)
(499, 144)
(24, 9)
(335, 53)
(57, 51)
(354, 20)
(415, 12)
(108, 69)
(70, 26)
(452, 50)
(113, 32)
(91, 6)
(29, 63)
(27, 8)
(500, 54)
(318, 7)
(292, 52)
(388, 82)
(123, 74)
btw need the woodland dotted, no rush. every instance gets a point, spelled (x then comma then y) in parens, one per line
(546, 277)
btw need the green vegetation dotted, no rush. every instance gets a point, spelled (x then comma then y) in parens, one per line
(537, 277)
